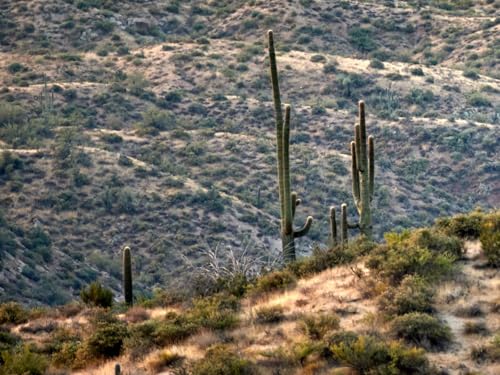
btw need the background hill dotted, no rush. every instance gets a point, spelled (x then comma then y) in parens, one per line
(150, 123)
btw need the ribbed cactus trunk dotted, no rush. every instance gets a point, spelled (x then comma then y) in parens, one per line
(344, 226)
(127, 276)
(362, 170)
(333, 228)
(288, 200)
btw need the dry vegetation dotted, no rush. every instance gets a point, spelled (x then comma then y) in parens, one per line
(150, 124)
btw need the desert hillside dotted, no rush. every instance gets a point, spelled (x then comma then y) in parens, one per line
(425, 301)
(150, 124)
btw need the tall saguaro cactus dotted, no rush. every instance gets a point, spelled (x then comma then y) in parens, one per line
(127, 276)
(288, 200)
(333, 227)
(363, 170)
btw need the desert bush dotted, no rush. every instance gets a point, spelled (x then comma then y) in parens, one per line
(10, 113)
(321, 260)
(417, 71)
(96, 295)
(413, 295)
(269, 314)
(395, 261)
(476, 99)
(39, 242)
(9, 163)
(463, 225)
(423, 330)
(487, 352)
(175, 328)
(469, 311)
(361, 39)
(106, 341)
(369, 355)
(7, 340)
(476, 328)
(437, 241)
(376, 64)
(316, 326)
(23, 361)
(490, 238)
(162, 360)
(215, 312)
(13, 313)
(472, 74)
(155, 121)
(220, 360)
(274, 281)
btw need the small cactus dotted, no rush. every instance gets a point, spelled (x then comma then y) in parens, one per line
(127, 276)
(288, 200)
(118, 369)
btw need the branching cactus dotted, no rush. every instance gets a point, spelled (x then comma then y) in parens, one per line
(362, 171)
(288, 200)
(127, 276)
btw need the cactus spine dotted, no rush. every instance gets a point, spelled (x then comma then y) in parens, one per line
(127, 276)
(363, 171)
(288, 200)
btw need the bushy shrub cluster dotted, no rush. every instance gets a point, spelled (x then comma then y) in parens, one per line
(13, 313)
(96, 295)
(370, 355)
(269, 314)
(274, 281)
(318, 325)
(220, 360)
(414, 294)
(24, 360)
(490, 239)
(423, 330)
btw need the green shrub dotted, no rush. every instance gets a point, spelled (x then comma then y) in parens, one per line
(174, 329)
(417, 71)
(155, 121)
(490, 239)
(271, 314)
(215, 312)
(16, 68)
(9, 163)
(274, 281)
(7, 340)
(413, 295)
(437, 242)
(476, 99)
(376, 64)
(96, 295)
(395, 261)
(316, 326)
(220, 360)
(106, 341)
(23, 361)
(463, 225)
(471, 74)
(361, 39)
(369, 355)
(423, 330)
(10, 114)
(13, 312)
(321, 260)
